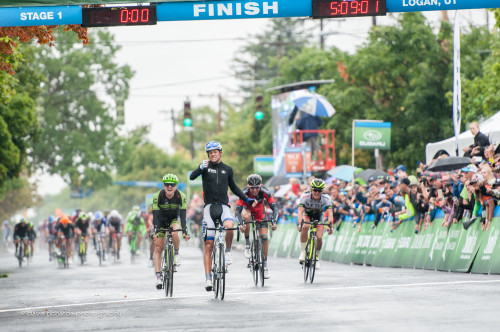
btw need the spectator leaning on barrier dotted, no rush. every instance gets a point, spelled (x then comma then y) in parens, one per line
(409, 210)
(481, 141)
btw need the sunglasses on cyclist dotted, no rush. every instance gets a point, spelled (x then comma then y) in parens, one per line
(254, 187)
(168, 184)
(318, 190)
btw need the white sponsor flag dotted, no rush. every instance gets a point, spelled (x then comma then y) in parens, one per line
(457, 89)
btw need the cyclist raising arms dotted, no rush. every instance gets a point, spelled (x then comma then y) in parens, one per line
(311, 207)
(216, 177)
(169, 205)
(255, 190)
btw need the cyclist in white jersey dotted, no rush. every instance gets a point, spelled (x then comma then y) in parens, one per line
(312, 204)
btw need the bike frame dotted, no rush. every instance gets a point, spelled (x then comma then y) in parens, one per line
(257, 252)
(168, 261)
(309, 265)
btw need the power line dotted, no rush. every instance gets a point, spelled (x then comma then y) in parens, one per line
(183, 82)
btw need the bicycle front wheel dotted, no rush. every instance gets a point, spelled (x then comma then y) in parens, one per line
(222, 279)
(99, 251)
(313, 260)
(215, 272)
(171, 271)
(307, 263)
(253, 262)
(261, 263)
(20, 253)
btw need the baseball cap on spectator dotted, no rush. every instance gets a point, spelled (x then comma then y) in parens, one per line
(400, 168)
(449, 182)
(372, 179)
(470, 168)
(394, 184)
(405, 181)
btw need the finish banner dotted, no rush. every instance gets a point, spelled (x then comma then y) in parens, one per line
(30, 3)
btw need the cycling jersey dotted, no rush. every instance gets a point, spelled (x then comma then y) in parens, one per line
(314, 208)
(258, 210)
(167, 210)
(115, 222)
(67, 231)
(20, 230)
(216, 180)
(31, 234)
(83, 226)
(99, 227)
(135, 224)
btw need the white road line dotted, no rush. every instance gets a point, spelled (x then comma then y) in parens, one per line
(297, 290)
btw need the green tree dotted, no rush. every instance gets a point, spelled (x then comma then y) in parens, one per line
(79, 98)
(258, 61)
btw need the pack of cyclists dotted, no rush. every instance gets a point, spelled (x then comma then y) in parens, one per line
(169, 210)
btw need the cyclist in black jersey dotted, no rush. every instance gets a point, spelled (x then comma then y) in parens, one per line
(217, 177)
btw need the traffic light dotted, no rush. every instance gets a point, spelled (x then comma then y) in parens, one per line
(259, 115)
(187, 114)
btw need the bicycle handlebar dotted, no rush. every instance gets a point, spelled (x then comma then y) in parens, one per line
(314, 223)
(170, 230)
(255, 221)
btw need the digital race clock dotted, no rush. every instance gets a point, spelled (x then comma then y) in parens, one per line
(116, 16)
(347, 8)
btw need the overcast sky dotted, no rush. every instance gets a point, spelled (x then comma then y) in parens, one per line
(175, 60)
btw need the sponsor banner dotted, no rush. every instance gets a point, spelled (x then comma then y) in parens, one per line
(351, 240)
(437, 247)
(294, 162)
(489, 242)
(468, 246)
(372, 135)
(328, 245)
(263, 165)
(289, 238)
(275, 240)
(387, 243)
(364, 237)
(426, 5)
(219, 10)
(402, 249)
(450, 247)
(33, 16)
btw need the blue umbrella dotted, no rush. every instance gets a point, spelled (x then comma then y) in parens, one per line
(343, 172)
(312, 103)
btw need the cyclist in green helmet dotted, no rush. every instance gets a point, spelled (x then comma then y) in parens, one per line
(169, 206)
(311, 206)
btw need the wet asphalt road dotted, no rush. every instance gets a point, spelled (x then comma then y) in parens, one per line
(122, 296)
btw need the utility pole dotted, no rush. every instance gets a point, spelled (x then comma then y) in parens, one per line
(321, 36)
(172, 117)
(219, 113)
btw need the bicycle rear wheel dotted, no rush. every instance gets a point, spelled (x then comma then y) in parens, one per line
(313, 260)
(222, 279)
(20, 254)
(253, 262)
(99, 251)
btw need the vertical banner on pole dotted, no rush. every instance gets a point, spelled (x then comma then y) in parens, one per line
(457, 89)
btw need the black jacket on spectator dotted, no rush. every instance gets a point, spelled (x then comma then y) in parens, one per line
(480, 140)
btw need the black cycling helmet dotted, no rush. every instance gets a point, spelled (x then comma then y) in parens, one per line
(254, 180)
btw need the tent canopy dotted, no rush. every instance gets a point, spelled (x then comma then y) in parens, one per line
(489, 127)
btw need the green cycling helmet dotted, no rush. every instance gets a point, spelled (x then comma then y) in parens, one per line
(318, 184)
(83, 216)
(170, 178)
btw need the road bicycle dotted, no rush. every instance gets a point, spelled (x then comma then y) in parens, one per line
(133, 247)
(63, 258)
(114, 246)
(82, 252)
(309, 264)
(21, 252)
(257, 255)
(219, 267)
(168, 261)
(100, 249)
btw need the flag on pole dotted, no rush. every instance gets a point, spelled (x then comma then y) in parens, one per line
(457, 89)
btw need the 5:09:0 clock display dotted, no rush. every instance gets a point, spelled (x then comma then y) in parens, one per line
(348, 8)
